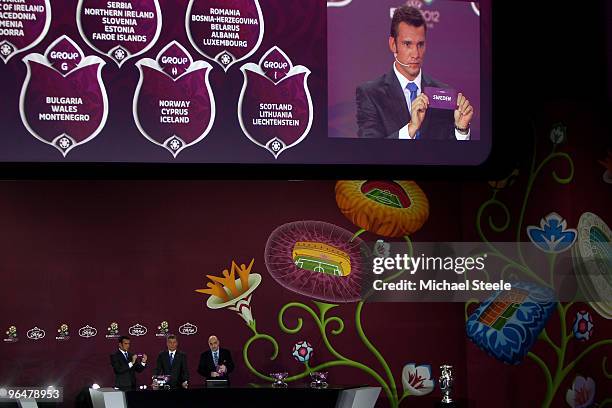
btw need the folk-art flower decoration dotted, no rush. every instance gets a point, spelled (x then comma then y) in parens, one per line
(417, 380)
(552, 236)
(607, 163)
(582, 393)
(382, 249)
(234, 294)
(507, 324)
(592, 261)
(583, 326)
(558, 134)
(318, 260)
(386, 208)
(302, 351)
(505, 182)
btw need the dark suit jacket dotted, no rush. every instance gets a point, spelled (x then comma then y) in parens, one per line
(207, 365)
(125, 377)
(382, 111)
(178, 371)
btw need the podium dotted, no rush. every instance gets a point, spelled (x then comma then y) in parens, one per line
(202, 397)
(107, 398)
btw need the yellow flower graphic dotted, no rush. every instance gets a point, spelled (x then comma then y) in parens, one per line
(235, 294)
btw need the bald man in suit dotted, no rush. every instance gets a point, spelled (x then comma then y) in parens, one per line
(216, 363)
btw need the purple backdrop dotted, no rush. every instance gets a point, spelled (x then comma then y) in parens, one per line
(358, 52)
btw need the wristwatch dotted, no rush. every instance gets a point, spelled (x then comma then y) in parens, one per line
(462, 131)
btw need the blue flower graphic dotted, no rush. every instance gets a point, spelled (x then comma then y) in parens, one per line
(552, 236)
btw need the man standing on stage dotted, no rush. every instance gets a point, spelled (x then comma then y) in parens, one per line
(173, 363)
(125, 365)
(217, 362)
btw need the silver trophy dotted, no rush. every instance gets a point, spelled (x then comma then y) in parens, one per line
(446, 383)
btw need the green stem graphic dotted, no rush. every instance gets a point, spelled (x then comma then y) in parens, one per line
(358, 233)
(552, 259)
(519, 228)
(533, 175)
(495, 251)
(604, 369)
(322, 323)
(404, 395)
(505, 269)
(562, 370)
(544, 336)
(544, 367)
(592, 347)
(567, 306)
(245, 351)
(374, 350)
(553, 383)
(565, 337)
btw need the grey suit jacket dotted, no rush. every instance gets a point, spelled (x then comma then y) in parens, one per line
(382, 111)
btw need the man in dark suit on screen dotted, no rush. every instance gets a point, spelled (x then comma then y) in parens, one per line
(173, 363)
(125, 365)
(394, 105)
(216, 363)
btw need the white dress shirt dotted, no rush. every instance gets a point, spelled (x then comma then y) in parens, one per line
(403, 133)
(130, 364)
(125, 355)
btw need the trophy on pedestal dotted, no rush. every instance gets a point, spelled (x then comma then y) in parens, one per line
(446, 384)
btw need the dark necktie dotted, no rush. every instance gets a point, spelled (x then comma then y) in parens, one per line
(126, 356)
(413, 88)
(171, 359)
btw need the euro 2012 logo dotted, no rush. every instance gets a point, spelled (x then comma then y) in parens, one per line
(62, 332)
(11, 335)
(113, 330)
(162, 329)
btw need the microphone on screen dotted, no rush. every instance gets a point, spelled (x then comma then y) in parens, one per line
(398, 61)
